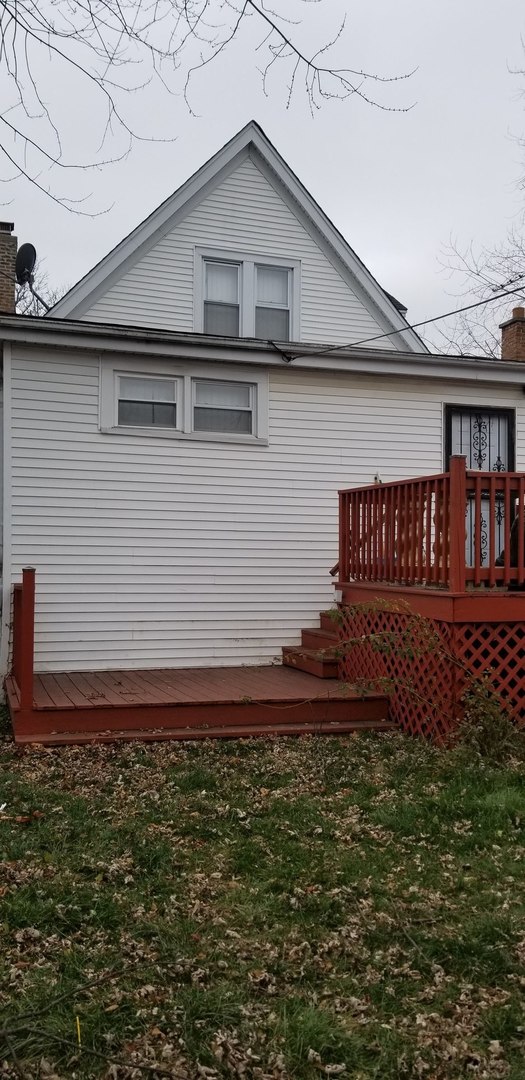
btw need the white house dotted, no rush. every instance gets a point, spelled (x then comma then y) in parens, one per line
(177, 428)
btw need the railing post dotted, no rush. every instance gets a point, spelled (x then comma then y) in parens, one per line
(27, 638)
(457, 510)
(343, 536)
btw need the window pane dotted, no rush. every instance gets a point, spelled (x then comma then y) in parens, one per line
(230, 420)
(272, 324)
(208, 392)
(272, 285)
(164, 415)
(146, 414)
(221, 319)
(222, 282)
(147, 389)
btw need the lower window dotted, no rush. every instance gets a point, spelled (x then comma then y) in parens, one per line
(223, 406)
(147, 402)
(188, 404)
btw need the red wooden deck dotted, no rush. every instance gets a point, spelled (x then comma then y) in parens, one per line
(188, 703)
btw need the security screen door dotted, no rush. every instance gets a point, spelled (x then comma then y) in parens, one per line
(486, 438)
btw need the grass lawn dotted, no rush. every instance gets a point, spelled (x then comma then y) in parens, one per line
(261, 909)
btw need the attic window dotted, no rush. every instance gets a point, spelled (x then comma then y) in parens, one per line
(272, 303)
(242, 296)
(221, 299)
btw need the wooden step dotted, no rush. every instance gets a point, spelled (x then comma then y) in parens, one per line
(313, 661)
(241, 731)
(328, 622)
(319, 639)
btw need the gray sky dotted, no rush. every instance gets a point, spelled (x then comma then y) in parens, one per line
(397, 185)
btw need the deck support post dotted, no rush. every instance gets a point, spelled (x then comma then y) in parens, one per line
(26, 643)
(458, 503)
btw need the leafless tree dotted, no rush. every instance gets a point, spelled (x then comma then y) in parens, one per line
(482, 274)
(116, 48)
(27, 303)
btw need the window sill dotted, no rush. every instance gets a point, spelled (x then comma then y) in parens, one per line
(186, 436)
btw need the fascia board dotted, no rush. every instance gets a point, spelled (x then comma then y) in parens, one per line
(39, 333)
(165, 217)
(371, 290)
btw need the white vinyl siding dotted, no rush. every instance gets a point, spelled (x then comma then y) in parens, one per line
(243, 213)
(152, 552)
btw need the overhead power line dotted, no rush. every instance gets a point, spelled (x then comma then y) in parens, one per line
(413, 326)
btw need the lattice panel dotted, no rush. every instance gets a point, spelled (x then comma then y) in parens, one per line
(500, 649)
(425, 684)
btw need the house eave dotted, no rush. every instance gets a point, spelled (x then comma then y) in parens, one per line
(115, 339)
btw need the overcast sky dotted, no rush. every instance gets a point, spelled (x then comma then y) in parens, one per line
(397, 184)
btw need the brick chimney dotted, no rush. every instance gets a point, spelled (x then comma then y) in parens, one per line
(513, 336)
(8, 247)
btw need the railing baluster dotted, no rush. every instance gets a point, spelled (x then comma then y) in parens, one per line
(492, 530)
(439, 507)
(381, 528)
(507, 515)
(428, 532)
(443, 494)
(477, 530)
(414, 532)
(520, 511)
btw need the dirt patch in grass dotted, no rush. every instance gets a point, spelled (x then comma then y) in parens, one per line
(265, 909)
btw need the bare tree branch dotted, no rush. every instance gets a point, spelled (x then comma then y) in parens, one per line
(482, 273)
(117, 48)
(26, 303)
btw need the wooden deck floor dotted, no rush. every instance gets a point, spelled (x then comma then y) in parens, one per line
(189, 703)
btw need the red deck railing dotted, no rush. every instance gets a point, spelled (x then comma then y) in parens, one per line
(454, 530)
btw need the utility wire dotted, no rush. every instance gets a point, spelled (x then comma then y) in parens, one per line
(392, 333)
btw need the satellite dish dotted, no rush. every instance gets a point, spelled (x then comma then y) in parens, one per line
(25, 264)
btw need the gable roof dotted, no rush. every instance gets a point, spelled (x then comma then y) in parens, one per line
(250, 141)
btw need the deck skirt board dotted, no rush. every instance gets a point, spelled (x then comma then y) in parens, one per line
(189, 703)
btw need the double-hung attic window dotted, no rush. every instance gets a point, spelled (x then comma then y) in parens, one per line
(248, 298)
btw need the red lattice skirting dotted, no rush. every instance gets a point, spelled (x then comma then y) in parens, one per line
(426, 688)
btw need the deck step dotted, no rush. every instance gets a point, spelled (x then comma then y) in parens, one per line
(327, 621)
(313, 661)
(241, 731)
(319, 639)
(192, 703)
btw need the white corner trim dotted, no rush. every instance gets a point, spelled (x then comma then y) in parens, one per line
(6, 511)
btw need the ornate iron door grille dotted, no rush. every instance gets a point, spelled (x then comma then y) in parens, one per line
(486, 438)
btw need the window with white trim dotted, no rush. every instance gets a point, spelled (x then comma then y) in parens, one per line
(221, 298)
(223, 406)
(145, 402)
(179, 401)
(241, 296)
